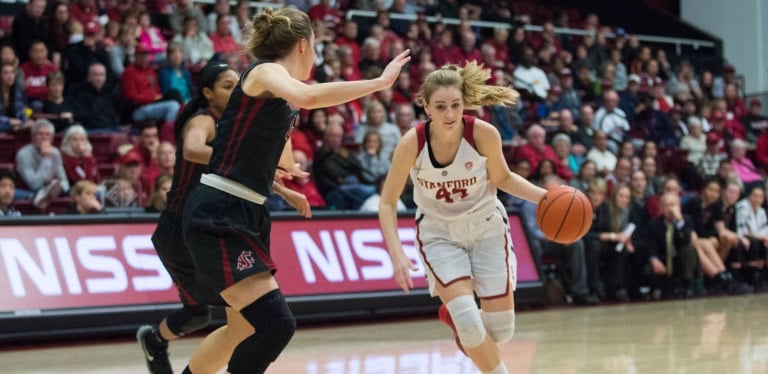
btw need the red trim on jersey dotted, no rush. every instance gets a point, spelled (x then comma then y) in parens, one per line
(251, 116)
(429, 265)
(186, 174)
(421, 135)
(469, 130)
(226, 266)
(238, 123)
(186, 297)
(260, 252)
(243, 102)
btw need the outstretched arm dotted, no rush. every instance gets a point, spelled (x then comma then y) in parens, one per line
(275, 79)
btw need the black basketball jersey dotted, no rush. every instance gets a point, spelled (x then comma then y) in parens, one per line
(250, 138)
(186, 174)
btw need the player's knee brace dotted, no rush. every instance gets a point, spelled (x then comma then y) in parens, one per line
(466, 318)
(274, 327)
(500, 325)
(188, 319)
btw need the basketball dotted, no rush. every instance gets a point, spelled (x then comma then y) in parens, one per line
(564, 214)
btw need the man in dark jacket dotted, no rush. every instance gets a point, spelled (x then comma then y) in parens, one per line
(340, 177)
(27, 27)
(672, 258)
(93, 104)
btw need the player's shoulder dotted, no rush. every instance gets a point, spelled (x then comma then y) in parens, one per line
(484, 131)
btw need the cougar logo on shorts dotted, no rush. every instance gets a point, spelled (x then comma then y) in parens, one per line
(468, 165)
(245, 260)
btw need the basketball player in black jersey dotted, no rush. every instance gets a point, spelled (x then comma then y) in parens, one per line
(225, 225)
(194, 130)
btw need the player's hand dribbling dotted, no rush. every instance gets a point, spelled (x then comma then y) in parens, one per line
(402, 267)
(392, 71)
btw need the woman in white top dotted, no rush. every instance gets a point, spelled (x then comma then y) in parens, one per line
(752, 222)
(456, 164)
(695, 142)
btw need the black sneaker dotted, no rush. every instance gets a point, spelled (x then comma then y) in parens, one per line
(155, 353)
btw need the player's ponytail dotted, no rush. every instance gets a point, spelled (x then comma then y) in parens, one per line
(209, 75)
(471, 81)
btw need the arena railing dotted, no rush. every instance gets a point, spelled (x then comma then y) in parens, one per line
(677, 42)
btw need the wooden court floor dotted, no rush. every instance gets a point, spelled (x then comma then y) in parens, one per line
(719, 335)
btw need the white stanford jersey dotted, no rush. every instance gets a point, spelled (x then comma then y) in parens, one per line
(454, 190)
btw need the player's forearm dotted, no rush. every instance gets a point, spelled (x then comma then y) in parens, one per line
(388, 222)
(521, 187)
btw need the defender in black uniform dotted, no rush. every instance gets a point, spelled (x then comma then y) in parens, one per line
(225, 225)
(195, 129)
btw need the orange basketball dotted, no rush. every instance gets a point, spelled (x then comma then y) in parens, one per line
(564, 214)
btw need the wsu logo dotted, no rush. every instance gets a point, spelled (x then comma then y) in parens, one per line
(245, 260)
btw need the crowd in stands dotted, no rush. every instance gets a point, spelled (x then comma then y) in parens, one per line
(597, 112)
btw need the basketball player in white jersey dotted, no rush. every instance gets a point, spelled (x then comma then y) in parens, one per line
(456, 165)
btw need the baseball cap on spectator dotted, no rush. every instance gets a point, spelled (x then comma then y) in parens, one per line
(141, 48)
(717, 116)
(565, 72)
(556, 90)
(634, 78)
(658, 81)
(755, 102)
(713, 138)
(91, 27)
(130, 157)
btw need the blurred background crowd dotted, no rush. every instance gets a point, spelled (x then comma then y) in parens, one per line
(670, 152)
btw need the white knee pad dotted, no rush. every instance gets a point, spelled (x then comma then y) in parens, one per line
(466, 317)
(500, 325)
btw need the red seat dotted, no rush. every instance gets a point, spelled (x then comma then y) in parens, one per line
(106, 170)
(672, 160)
(102, 146)
(6, 23)
(7, 148)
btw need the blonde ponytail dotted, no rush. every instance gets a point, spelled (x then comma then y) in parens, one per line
(471, 81)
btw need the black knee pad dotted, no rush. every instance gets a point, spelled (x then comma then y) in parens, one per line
(188, 319)
(274, 327)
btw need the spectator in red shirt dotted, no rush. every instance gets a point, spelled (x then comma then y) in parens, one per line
(499, 43)
(305, 185)
(84, 11)
(443, 51)
(77, 156)
(468, 51)
(141, 89)
(324, 12)
(349, 66)
(537, 149)
(348, 38)
(223, 41)
(148, 149)
(36, 69)
(309, 135)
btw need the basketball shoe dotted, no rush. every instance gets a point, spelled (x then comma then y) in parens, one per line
(155, 351)
(445, 317)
